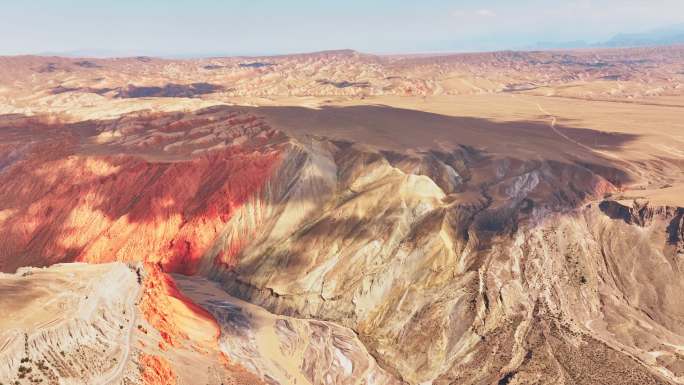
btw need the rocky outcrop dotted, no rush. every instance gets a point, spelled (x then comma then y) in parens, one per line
(675, 231)
(641, 214)
(156, 371)
(283, 349)
(69, 324)
(177, 318)
(170, 210)
(113, 323)
(370, 264)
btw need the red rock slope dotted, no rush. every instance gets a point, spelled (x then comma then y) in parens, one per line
(70, 195)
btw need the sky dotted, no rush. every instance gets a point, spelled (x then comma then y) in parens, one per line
(259, 27)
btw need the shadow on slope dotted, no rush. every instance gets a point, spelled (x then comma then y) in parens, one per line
(59, 201)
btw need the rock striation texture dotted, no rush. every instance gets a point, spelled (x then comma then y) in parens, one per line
(285, 349)
(342, 244)
(129, 324)
(616, 74)
(70, 324)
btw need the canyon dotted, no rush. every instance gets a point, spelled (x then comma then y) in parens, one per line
(343, 218)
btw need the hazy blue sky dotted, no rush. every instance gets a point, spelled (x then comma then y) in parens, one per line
(176, 27)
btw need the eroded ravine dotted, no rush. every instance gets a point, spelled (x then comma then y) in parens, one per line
(285, 349)
(357, 263)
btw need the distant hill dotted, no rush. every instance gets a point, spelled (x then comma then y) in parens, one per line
(662, 36)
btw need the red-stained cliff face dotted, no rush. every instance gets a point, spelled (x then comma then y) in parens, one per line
(183, 326)
(155, 370)
(177, 318)
(162, 192)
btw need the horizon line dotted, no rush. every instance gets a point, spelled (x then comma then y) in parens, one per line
(76, 54)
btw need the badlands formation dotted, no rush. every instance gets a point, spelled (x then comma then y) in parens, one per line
(341, 218)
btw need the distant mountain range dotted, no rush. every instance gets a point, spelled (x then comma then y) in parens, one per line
(658, 37)
(662, 36)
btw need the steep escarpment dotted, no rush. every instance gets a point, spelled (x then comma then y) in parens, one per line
(379, 255)
(87, 193)
(528, 269)
(285, 349)
(130, 324)
(108, 323)
(176, 340)
(177, 318)
(406, 259)
(156, 371)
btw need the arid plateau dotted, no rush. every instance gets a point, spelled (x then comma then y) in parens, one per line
(343, 218)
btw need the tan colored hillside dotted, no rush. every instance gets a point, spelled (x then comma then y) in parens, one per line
(342, 218)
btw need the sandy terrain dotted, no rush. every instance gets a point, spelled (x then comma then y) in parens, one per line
(70, 324)
(342, 218)
(285, 349)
